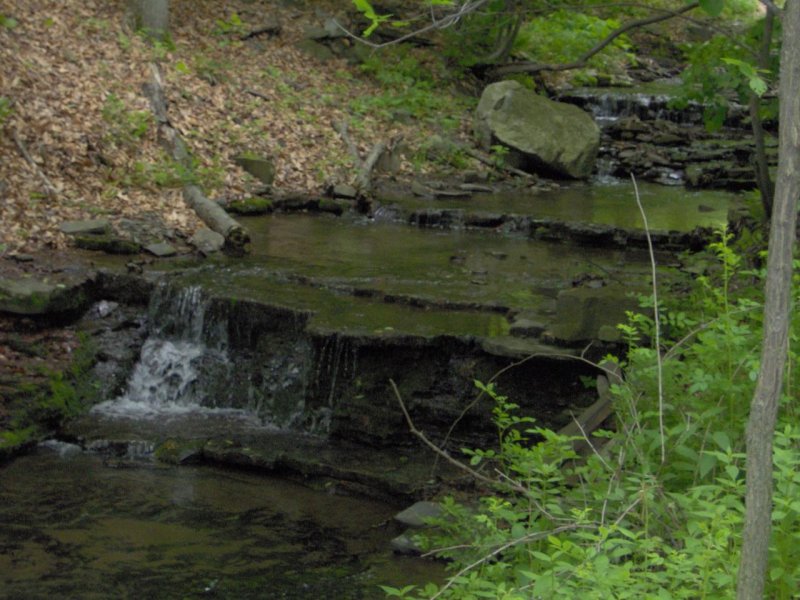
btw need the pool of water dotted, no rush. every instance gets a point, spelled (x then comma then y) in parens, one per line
(73, 527)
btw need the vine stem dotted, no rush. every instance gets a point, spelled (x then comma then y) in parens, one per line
(659, 364)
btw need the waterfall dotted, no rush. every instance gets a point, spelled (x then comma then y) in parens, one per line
(205, 356)
(183, 343)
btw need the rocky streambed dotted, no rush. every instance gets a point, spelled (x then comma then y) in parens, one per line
(293, 360)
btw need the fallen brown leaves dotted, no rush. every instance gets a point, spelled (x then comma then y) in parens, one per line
(61, 61)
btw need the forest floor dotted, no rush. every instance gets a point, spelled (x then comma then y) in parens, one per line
(78, 141)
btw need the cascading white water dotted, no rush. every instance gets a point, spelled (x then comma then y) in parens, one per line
(163, 381)
(167, 378)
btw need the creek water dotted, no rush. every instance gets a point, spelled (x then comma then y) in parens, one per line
(75, 524)
(72, 527)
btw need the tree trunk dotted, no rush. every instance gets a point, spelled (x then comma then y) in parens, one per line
(152, 17)
(764, 408)
(765, 187)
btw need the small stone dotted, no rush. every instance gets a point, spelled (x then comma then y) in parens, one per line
(161, 249)
(405, 544)
(417, 514)
(207, 241)
(344, 191)
(83, 227)
(259, 167)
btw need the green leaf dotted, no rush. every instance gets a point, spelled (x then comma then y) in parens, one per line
(712, 7)
(706, 463)
(722, 440)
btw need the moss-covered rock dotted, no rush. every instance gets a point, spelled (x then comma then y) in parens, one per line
(31, 296)
(111, 244)
(250, 206)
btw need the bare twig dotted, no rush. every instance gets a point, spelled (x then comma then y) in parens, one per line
(444, 23)
(48, 185)
(522, 540)
(498, 166)
(439, 452)
(659, 365)
(258, 94)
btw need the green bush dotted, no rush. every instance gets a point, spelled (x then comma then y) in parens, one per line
(622, 522)
(564, 35)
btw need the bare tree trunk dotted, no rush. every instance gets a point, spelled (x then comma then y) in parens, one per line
(152, 17)
(765, 187)
(777, 311)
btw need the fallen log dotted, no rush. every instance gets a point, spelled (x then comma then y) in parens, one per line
(213, 215)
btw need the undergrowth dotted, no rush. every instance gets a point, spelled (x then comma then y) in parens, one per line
(621, 522)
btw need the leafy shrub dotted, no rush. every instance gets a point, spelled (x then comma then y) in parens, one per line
(622, 522)
(563, 36)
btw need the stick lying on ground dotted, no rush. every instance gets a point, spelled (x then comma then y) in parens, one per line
(209, 212)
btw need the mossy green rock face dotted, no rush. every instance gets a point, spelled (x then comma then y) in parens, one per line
(250, 206)
(584, 313)
(259, 167)
(542, 134)
(34, 297)
(110, 244)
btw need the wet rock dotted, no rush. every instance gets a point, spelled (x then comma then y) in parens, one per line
(418, 513)
(84, 227)
(344, 191)
(250, 206)
(405, 544)
(582, 312)
(524, 326)
(207, 241)
(29, 296)
(161, 249)
(542, 134)
(108, 243)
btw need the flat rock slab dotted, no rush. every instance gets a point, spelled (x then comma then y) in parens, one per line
(207, 241)
(29, 296)
(85, 227)
(418, 513)
(161, 249)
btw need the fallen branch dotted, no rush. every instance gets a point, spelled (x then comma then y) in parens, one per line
(479, 156)
(363, 181)
(48, 185)
(213, 215)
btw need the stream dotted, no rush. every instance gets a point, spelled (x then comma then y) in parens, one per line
(73, 527)
(253, 446)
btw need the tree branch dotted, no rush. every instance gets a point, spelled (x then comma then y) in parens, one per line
(532, 67)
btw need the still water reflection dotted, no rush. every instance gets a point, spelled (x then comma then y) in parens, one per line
(71, 527)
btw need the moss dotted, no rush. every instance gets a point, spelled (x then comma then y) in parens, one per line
(250, 206)
(39, 407)
(176, 452)
(107, 243)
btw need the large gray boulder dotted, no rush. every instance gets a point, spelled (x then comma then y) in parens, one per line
(541, 134)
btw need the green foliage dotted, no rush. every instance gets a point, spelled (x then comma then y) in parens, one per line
(563, 36)
(211, 70)
(125, 127)
(620, 523)
(233, 25)
(409, 87)
(8, 22)
(5, 110)
(720, 70)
